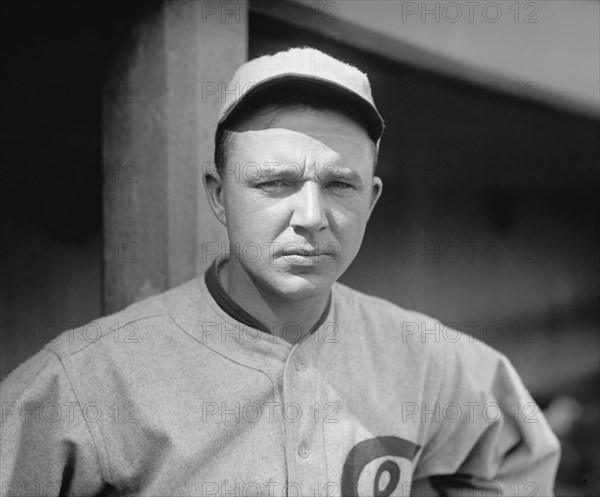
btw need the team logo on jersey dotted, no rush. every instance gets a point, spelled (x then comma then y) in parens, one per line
(374, 466)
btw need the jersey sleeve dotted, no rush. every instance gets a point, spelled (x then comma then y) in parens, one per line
(490, 437)
(46, 447)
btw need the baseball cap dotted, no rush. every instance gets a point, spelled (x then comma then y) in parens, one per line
(310, 71)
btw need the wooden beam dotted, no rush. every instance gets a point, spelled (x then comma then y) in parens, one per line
(158, 132)
(320, 17)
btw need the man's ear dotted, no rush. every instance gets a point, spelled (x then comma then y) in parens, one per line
(213, 184)
(376, 190)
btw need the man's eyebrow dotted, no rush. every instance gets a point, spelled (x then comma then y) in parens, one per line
(327, 172)
(267, 170)
(336, 173)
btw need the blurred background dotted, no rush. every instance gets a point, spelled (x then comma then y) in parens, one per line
(490, 161)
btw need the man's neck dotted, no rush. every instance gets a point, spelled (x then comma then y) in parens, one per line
(291, 320)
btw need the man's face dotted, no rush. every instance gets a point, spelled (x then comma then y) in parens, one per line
(297, 193)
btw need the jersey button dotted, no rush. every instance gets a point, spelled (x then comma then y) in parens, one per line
(304, 451)
(300, 365)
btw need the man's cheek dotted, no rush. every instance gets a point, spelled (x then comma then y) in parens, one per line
(349, 245)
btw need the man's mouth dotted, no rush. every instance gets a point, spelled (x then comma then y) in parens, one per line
(307, 252)
(308, 255)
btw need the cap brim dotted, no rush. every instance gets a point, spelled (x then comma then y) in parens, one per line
(302, 84)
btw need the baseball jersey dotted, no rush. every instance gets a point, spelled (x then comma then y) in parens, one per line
(175, 397)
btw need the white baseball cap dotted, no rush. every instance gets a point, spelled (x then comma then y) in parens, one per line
(311, 70)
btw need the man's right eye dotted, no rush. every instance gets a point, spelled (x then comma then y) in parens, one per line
(272, 185)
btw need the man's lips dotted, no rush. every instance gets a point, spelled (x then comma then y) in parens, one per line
(307, 256)
(307, 252)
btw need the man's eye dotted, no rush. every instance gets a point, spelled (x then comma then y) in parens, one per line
(339, 185)
(271, 185)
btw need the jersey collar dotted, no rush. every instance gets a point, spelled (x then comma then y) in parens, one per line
(228, 305)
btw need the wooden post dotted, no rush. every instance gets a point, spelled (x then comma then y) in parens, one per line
(159, 124)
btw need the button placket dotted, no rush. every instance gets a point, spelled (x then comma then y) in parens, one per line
(304, 447)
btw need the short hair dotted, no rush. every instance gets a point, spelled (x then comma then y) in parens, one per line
(285, 96)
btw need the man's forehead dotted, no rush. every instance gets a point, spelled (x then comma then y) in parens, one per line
(299, 128)
(282, 143)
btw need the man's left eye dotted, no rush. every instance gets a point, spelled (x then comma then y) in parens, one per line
(339, 185)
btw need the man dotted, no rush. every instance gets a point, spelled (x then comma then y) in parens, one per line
(265, 376)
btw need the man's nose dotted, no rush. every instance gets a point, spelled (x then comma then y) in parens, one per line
(308, 208)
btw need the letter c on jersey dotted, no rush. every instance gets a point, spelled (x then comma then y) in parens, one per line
(369, 450)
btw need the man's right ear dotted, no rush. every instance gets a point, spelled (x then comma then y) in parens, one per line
(213, 185)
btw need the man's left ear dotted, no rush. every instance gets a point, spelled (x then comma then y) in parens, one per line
(376, 190)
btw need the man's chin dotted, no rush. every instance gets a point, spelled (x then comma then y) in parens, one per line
(300, 286)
